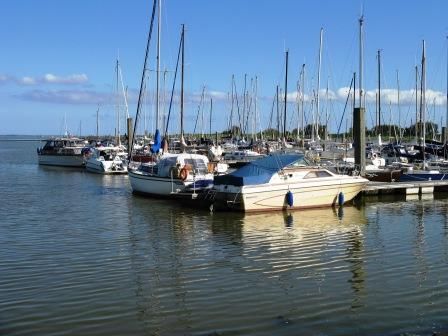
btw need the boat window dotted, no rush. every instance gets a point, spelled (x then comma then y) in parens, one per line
(300, 162)
(311, 174)
(318, 173)
(198, 165)
(323, 173)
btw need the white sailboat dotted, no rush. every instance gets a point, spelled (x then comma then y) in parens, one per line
(172, 174)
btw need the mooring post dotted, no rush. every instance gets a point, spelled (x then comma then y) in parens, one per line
(130, 125)
(359, 139)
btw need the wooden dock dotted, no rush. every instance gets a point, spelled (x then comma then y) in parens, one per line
(406, 188)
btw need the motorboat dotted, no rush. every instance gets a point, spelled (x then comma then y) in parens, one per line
(172, 174)
(107, 160)
(64, 151)
(283, 181)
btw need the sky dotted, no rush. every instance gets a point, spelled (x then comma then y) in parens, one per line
(58, 62)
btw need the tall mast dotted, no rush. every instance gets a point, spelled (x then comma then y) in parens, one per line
(326, 111)
(118, 105)
(318, 82)
(182, 85)
(423, 100)
(159, 27)
(286, 96)
(398, 105)
(379, 92)
(278, 114)
(302, 103)
(97, 123)
(256, 107)
(361, 58)
(417, 117)
(446, 120)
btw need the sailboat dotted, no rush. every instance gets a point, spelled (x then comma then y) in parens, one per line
(172, 174)
(109, 159)
(423, 174)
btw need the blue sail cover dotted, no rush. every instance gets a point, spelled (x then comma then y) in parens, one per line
(157, 142)
(259, 171)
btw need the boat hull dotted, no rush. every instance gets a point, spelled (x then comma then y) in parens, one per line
(61, 160)
(274, 197)
(163, 186)
(105, 167)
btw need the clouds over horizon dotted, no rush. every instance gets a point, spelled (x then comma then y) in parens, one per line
(84, 96)
(73, 79)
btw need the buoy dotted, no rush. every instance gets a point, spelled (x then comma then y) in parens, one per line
(341, 198)
(289, 198)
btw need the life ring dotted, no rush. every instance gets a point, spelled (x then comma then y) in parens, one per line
(183, 174)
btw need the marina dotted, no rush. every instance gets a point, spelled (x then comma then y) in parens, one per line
(116, 263)
(229, 168)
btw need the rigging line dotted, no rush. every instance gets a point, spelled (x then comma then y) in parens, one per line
(174, 84)
(143, 76)
(346, 102)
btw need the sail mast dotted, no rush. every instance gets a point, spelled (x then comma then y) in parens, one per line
(286, 95)
(361, 58)
(118, 106)
(142, 82)
(379, 92)
(318, 83)
(158, 62)
(302, 104)
(423, 100)
(182, 86)
(446, 120)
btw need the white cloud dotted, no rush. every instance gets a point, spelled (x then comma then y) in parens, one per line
(71, 79)
(45, 79)
(68, 97)
(26, 81)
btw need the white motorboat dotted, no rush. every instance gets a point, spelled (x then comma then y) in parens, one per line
(282, 181)
(107, 160)
(66, 151)
(172, 174)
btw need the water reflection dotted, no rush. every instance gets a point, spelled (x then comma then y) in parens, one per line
(190, 266)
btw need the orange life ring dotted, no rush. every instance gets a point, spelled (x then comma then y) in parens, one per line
(183, 174)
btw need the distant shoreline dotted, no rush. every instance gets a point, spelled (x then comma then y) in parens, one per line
(21, 139)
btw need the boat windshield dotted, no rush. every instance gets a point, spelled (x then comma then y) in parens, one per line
(300, 162)
(198, 165)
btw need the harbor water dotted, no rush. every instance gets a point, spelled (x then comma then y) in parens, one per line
(81, 255)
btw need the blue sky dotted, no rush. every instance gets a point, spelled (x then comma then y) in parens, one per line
(57, 60)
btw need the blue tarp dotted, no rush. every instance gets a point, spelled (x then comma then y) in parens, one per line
(157, 142)
(259, 171)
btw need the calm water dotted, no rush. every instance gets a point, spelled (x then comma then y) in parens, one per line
(80, 255)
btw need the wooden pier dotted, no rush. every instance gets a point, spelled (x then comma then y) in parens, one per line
(406, 188)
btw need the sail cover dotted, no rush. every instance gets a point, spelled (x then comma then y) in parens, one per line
(157, 142)
(259, 171)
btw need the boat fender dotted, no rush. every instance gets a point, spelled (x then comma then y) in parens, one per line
(341, 198)
(289, 198)
(183, 174)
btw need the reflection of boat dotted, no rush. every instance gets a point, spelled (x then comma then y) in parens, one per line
(309, 220)
(62, 152)
(283, 181)
(172, 174)
(107, 160)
